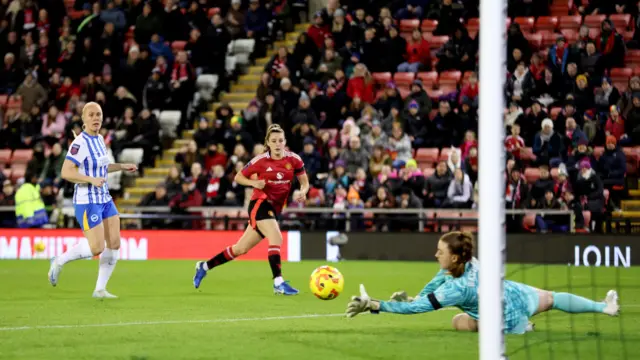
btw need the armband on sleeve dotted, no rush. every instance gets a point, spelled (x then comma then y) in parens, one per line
(434, 302)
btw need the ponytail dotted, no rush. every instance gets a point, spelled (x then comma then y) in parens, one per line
(273, 128)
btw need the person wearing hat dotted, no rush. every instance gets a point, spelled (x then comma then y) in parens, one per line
(589, 190)
(612, 168)
(311, 158)
(419, 94)
(573, 134)
(318, 30)
(547, 143)
(581, 152)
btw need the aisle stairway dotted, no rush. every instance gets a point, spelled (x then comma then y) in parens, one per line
(242, 92)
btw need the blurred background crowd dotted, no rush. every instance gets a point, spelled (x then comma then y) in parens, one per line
(379, 98)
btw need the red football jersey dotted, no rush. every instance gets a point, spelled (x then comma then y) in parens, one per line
(277, 174)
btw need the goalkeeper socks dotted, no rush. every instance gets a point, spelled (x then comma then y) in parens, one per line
(224, 256)
(108, 261)
(274, 261)
(576, 304)
(81, 250)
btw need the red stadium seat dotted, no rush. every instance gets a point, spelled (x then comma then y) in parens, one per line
(532, 174)
(547, 23)
(594, 32)
(621, 85)
(621, 21)
(429, 79)
(571, 22)
(529, 222)
(448, 89)
(570, 34)
(535, 40)
(594, 21)
(554, 173)
(436, 42)
(621, 74)
(3, 100)
(427, 154)
(404, 91)
(449, 78)
(598, 151)
(21, 156)
(554, 112)
(526, 154)
(627, 35)
(14, 103)
(548, 38)
(5, 156)
(7, 173)
(178, 45)
(404, 78)
(429, 25)
(434, 94)
(526, 23)
(381, 78)
(17, 173)
(631, 153)
(444, 154)
(408, 26)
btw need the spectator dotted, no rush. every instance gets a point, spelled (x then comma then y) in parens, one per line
(612, 167)
(31, 93)
(417, 54)
(399, 144)
(517, 192)
(437, 186)
(355, 157)
(235, 20)
(189, 196)
(540, 187)
(514, 143)
(30, 209)
(158, 197)
(588, 188)
(553, 222)
(547, 145)
(256, 21)
(615, 126)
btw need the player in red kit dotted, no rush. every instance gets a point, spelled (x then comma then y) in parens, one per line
(271, 175)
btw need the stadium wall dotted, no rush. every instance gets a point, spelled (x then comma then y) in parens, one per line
(576, 250)
(141, 244)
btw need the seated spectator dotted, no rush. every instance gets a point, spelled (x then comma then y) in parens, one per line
(355, 156)
(562, 184)
(158, 197)
(399, 144)
(514, 143)
(217, 187)
(416, 125)
(612, 168)
(516, 194)
(411, 177)
(420, 95)
(581, 153)
(311, 158)
(437, 186)
(540, 187)
(521, 86)
(553, 222)
(417, 54)
(173, 182)
(547, 145)
(383, 199)
(573, 135)
(589, 190)
(615, 126)
(189, 196)
(460, 191)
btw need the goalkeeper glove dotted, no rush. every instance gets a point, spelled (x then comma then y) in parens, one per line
(362, 303)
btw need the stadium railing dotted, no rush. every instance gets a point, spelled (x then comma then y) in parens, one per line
(436, 219)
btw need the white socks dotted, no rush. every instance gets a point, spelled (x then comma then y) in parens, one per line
(278, 280)
(108, 260)
(80, 251)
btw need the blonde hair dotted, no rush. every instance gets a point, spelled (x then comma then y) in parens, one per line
(273, 128)
(84, 108)
(462, 244)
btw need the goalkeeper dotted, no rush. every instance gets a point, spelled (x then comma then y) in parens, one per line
(456, 284)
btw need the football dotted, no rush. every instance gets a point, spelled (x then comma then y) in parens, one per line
(326, 282)
(39, 246)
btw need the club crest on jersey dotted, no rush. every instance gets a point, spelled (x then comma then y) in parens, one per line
(74, 149)
(270, 213)
(287, 166)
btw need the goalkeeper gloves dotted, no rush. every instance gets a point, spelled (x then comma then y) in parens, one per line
(362, 303)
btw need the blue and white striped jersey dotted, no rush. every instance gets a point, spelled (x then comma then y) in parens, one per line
(89, 153)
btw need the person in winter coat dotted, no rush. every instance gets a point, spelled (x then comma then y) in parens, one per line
(460, 191)
(555, 222)
(547, 144)
(437, 186)
(589, 190)
(541, 186)
(355, 157)
(612, 168)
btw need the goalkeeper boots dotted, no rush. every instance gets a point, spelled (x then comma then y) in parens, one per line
(200, 274)
(285, 289)
(612, 308)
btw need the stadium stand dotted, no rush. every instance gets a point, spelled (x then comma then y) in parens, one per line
(391, 131)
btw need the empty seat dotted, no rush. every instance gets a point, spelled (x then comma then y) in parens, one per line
(594, 21)
(404, 78)
(535, 40)
(428, 78)
(449, 78)
(427, 155)
(572, 22)
(428, 172)
(21, 156)
(531, 174)
(526, 23)
(381, 77)
(570, 34)
(621, 74)
(632, 57)
(429, 25)
(213, 11)
(436, 42)
(598, 151)
(5, 156)
(409, 25)
(547, 23)
(17, 173)
(554, 112)
(621, 21)
(178, 45)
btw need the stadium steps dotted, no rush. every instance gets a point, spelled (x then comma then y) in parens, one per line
(242, 92)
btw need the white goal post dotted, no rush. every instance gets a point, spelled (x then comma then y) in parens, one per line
(491, 175)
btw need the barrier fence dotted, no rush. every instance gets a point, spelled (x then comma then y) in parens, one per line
(233, 218)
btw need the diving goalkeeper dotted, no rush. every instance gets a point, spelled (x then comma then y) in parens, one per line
(456, 284)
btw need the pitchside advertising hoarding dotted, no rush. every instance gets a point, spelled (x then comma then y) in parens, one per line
(141, 244)
(573, 250)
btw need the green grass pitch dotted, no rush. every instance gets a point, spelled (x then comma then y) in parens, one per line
(235, 315)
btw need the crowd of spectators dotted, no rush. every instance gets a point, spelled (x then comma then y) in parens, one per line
(134, 58)
(360, 101)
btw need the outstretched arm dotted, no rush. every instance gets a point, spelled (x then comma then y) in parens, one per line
(122, 167)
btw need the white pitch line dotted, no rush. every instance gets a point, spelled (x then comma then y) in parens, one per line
(168, 322)
(210, 321)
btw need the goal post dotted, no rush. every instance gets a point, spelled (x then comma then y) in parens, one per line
(491, 231)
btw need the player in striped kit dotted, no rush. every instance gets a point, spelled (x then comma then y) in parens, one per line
(87, 165)
(271, 175)
(456, 285)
